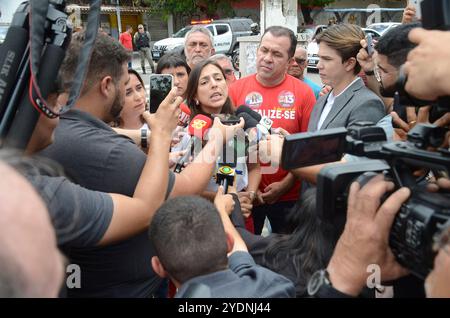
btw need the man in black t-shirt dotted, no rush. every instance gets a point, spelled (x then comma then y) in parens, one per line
(99, 159)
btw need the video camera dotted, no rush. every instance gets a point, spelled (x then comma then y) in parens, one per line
(419, 219)
(30, 58)
(425, 214)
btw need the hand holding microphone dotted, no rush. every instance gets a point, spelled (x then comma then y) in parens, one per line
(197, 130)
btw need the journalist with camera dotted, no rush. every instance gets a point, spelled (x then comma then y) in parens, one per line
(397, 220)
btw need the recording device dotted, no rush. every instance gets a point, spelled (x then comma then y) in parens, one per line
(225, 175)
(227, 119)
(315, 148)
(416, 4)
(420, 218)
(30, 58)
(160, 87)
(185, 115)
(369, 48)
(264, 124)
(197, 129)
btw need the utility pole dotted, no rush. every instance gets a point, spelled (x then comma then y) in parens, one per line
(119, 23)
(278, 12)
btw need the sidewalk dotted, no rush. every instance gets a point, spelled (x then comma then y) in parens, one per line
(136, 65)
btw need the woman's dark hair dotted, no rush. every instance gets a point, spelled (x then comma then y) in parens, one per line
(172, 60)
(307, 249)
(192, 88)
(133, 71)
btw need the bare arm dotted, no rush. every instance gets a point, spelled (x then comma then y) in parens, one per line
(133, 215)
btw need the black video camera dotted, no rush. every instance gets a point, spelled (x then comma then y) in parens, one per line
(419, 219)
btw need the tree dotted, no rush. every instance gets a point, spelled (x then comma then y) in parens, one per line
(307, 5)
(209, 8)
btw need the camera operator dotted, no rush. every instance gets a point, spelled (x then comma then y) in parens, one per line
(365, 242)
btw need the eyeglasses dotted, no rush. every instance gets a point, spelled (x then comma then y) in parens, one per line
(299, 60)
(140, 28)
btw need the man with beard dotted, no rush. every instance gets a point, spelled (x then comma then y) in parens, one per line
(382, 69)
(198, 45)
(97, 158)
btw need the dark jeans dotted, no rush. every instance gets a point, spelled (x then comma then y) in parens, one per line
(276, 213)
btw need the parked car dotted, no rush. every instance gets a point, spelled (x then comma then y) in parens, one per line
(313, 48)
(224, 31)
(382, 28)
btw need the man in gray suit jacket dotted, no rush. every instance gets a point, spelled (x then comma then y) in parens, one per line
(349, 101)
(356, 103)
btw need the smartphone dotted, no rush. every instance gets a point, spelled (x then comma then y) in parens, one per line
(313, 148)
(160, 86)
(416, 4)
(369, 47)
(227, 119)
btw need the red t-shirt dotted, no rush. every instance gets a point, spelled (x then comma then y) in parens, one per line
(126, 40)
(289, 105)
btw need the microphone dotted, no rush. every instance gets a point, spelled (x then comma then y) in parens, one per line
(265, 122)
(254, 135)
(225, 175)
(197, 130)
(185, 114)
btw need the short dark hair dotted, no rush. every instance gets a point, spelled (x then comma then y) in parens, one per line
(192, 88)
(128, 27)
(396, 45)
(172, 60)
(345, 39)
(279, 31)
(107, 58)
(189, 238)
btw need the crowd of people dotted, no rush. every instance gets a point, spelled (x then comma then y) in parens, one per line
(137, 229)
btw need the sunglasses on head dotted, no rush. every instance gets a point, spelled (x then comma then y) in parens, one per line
(299, 60)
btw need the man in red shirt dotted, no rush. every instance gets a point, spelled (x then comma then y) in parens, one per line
(126, 40)
(288, 102)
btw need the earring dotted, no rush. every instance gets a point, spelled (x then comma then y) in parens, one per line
(196, 102)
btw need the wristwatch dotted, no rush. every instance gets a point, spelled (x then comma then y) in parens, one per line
(369, 73)
(319, 285)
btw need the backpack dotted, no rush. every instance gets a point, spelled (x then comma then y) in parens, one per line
(142, 40)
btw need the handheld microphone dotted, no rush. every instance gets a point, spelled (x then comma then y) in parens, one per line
(197, 130)
(225, 175)
(265, 122)
(185, 114)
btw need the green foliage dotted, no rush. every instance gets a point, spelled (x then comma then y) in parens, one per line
(315, 3)
(189, 7)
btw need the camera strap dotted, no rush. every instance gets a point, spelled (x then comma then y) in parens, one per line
(38, 15)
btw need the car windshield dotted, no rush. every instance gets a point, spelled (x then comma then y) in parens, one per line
(181, 33)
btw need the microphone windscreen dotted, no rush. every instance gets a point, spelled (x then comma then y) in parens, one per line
(248, 110)
(185, 115)
(185, 109)
(250, 122)
(199, 125)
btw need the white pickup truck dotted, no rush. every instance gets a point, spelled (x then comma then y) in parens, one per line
(225, 33)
